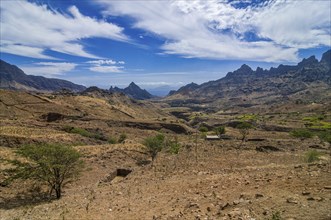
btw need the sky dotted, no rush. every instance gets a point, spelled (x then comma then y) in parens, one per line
(159, 45)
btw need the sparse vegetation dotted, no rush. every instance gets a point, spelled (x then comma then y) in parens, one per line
(203, 129)
(154, 145)
(51, 164)
(83, 132)
(122, 138)
(111, 140)
(312, 156)
(324, 135)
(173, 146)
(219, 130)
(244, 128)
(302, 133)
(276, 216)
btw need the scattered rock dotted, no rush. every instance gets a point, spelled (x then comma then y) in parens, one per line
(305, 193)
(258, 195)
(292, 200)
(267, 148)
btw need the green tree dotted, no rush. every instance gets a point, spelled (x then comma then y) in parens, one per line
(51, 164)
(244, 129)
(219, 130)
(154, 145)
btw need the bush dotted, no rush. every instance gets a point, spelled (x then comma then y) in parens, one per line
(301, 133)
(111, 140)
(154, 144)
(122, 138)
(276, 216)
(325, 135)
(312, 156)
(51, 164)
(83, 132)
(203, 129)
(174, 146)
(219, 130)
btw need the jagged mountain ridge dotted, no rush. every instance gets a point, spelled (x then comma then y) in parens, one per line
(133, 91)
(12, 77)
(243, 86)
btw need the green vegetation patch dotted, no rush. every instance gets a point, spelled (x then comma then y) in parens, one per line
(302, 133)
(248, 117)
(312, 156)
(85, 133)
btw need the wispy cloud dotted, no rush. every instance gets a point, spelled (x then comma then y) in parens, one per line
(106, 66)
(107, 69)
(29, 29)
(48, 68)
(271, 31)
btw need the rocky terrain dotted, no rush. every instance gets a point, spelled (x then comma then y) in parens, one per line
(281, 170)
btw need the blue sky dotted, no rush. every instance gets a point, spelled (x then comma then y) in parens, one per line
(160, 45)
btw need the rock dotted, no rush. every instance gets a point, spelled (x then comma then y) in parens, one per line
(327, 187)
(224, 205)
(236, 202)
(235, 213)
(298, 166)
(292, 200)
(305, 193)
(258, 195)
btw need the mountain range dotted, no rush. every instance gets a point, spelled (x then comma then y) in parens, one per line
(308, 81)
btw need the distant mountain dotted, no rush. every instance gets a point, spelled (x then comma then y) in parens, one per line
(12, 77)
(133, 91)
(308, 81)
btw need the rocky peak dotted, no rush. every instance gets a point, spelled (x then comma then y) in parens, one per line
(326, 58)
(308, 62)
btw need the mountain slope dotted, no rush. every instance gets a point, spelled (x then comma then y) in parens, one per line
(308, 81)
(133, 91)
(12, 77)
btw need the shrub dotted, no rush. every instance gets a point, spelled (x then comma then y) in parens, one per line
(154, 144)
(325, 135)
(111, 140)
(203, 129)
(219, 130)
(301, 133)
(51, 164)
(122, 138)
(276, 216)
(83, 132)
(312, 155)
(174, 146)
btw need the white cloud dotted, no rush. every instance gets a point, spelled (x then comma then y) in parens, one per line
(107, 69)
(102, 62)
(218, 30)
(48, 68)
(29, 29)
(106, 66)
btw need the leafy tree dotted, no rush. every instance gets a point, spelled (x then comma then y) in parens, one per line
(244, 129)
(154, 145)
(51, 164)
(219, 130)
